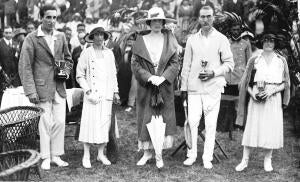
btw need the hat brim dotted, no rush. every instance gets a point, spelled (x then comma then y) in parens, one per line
(144, 20)
(20, 33)
(88, 37)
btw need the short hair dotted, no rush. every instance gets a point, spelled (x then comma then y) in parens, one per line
(81, 25)
(207, 7)
(30, 23)
(46, 8)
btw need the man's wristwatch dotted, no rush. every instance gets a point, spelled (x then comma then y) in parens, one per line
(88, 92)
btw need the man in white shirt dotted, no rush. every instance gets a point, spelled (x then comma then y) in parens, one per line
(207, 58)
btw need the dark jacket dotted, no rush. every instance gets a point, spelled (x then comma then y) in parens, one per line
(143, 69)
(9, 62)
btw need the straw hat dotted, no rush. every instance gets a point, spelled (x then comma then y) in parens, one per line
(156, 13)
(90, 37)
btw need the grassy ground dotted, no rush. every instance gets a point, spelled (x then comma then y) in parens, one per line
(284, 161)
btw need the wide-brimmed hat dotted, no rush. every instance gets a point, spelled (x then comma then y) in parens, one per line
(19, 31)
(268, 34)
(156, 13)
(90, 37)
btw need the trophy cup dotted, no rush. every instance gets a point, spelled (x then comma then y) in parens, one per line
(261, 87)
(202, 72)
(60, 70)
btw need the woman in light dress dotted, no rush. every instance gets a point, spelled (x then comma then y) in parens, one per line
(154, 63)
(97, 76)
(263, 92)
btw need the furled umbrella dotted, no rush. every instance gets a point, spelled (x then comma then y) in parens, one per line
(156, 127)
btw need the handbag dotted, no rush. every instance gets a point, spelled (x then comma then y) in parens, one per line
(156, 98)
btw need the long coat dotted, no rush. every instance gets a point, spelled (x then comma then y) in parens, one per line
(143, 69)
(36, 68)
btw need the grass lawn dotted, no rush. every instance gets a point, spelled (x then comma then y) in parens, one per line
(284, 161)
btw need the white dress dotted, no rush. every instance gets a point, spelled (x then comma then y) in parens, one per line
(99, 75)
(264, 126)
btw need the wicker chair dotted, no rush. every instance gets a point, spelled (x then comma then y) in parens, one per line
(15, 165)
(19, 127)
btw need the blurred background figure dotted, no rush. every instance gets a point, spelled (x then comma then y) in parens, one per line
(68, 34)
(19, 36)
(30, 27)
(185, 12)
(74, 39)
(75, 55)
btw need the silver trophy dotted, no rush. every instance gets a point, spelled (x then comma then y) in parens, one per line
(203, 70)
(60, 70)
(261, 85)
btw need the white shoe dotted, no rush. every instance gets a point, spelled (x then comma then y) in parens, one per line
(46, 164)
(207, 165)
(57, 160)
(268, 165)
(104, 160)
(144, 159)
(86, 163)
(189, 161)
(242, 165)
(159, 161)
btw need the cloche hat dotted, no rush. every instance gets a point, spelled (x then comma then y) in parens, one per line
(90, 37)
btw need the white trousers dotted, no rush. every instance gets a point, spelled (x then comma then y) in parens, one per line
(52, 127)
(210, 106)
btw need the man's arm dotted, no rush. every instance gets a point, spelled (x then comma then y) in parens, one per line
(187, 61)
(226, 58)
(25, 66)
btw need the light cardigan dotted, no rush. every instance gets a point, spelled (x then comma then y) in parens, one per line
(84, 73)
(243, 89)
(215, 49)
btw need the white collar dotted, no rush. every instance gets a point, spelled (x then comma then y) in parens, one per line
(7, 41)
(40, 33)
(209, 34)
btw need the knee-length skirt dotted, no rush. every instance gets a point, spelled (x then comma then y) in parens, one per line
(264, 125)
(95, 122)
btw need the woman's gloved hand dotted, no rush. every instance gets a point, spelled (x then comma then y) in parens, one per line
(93, 97)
